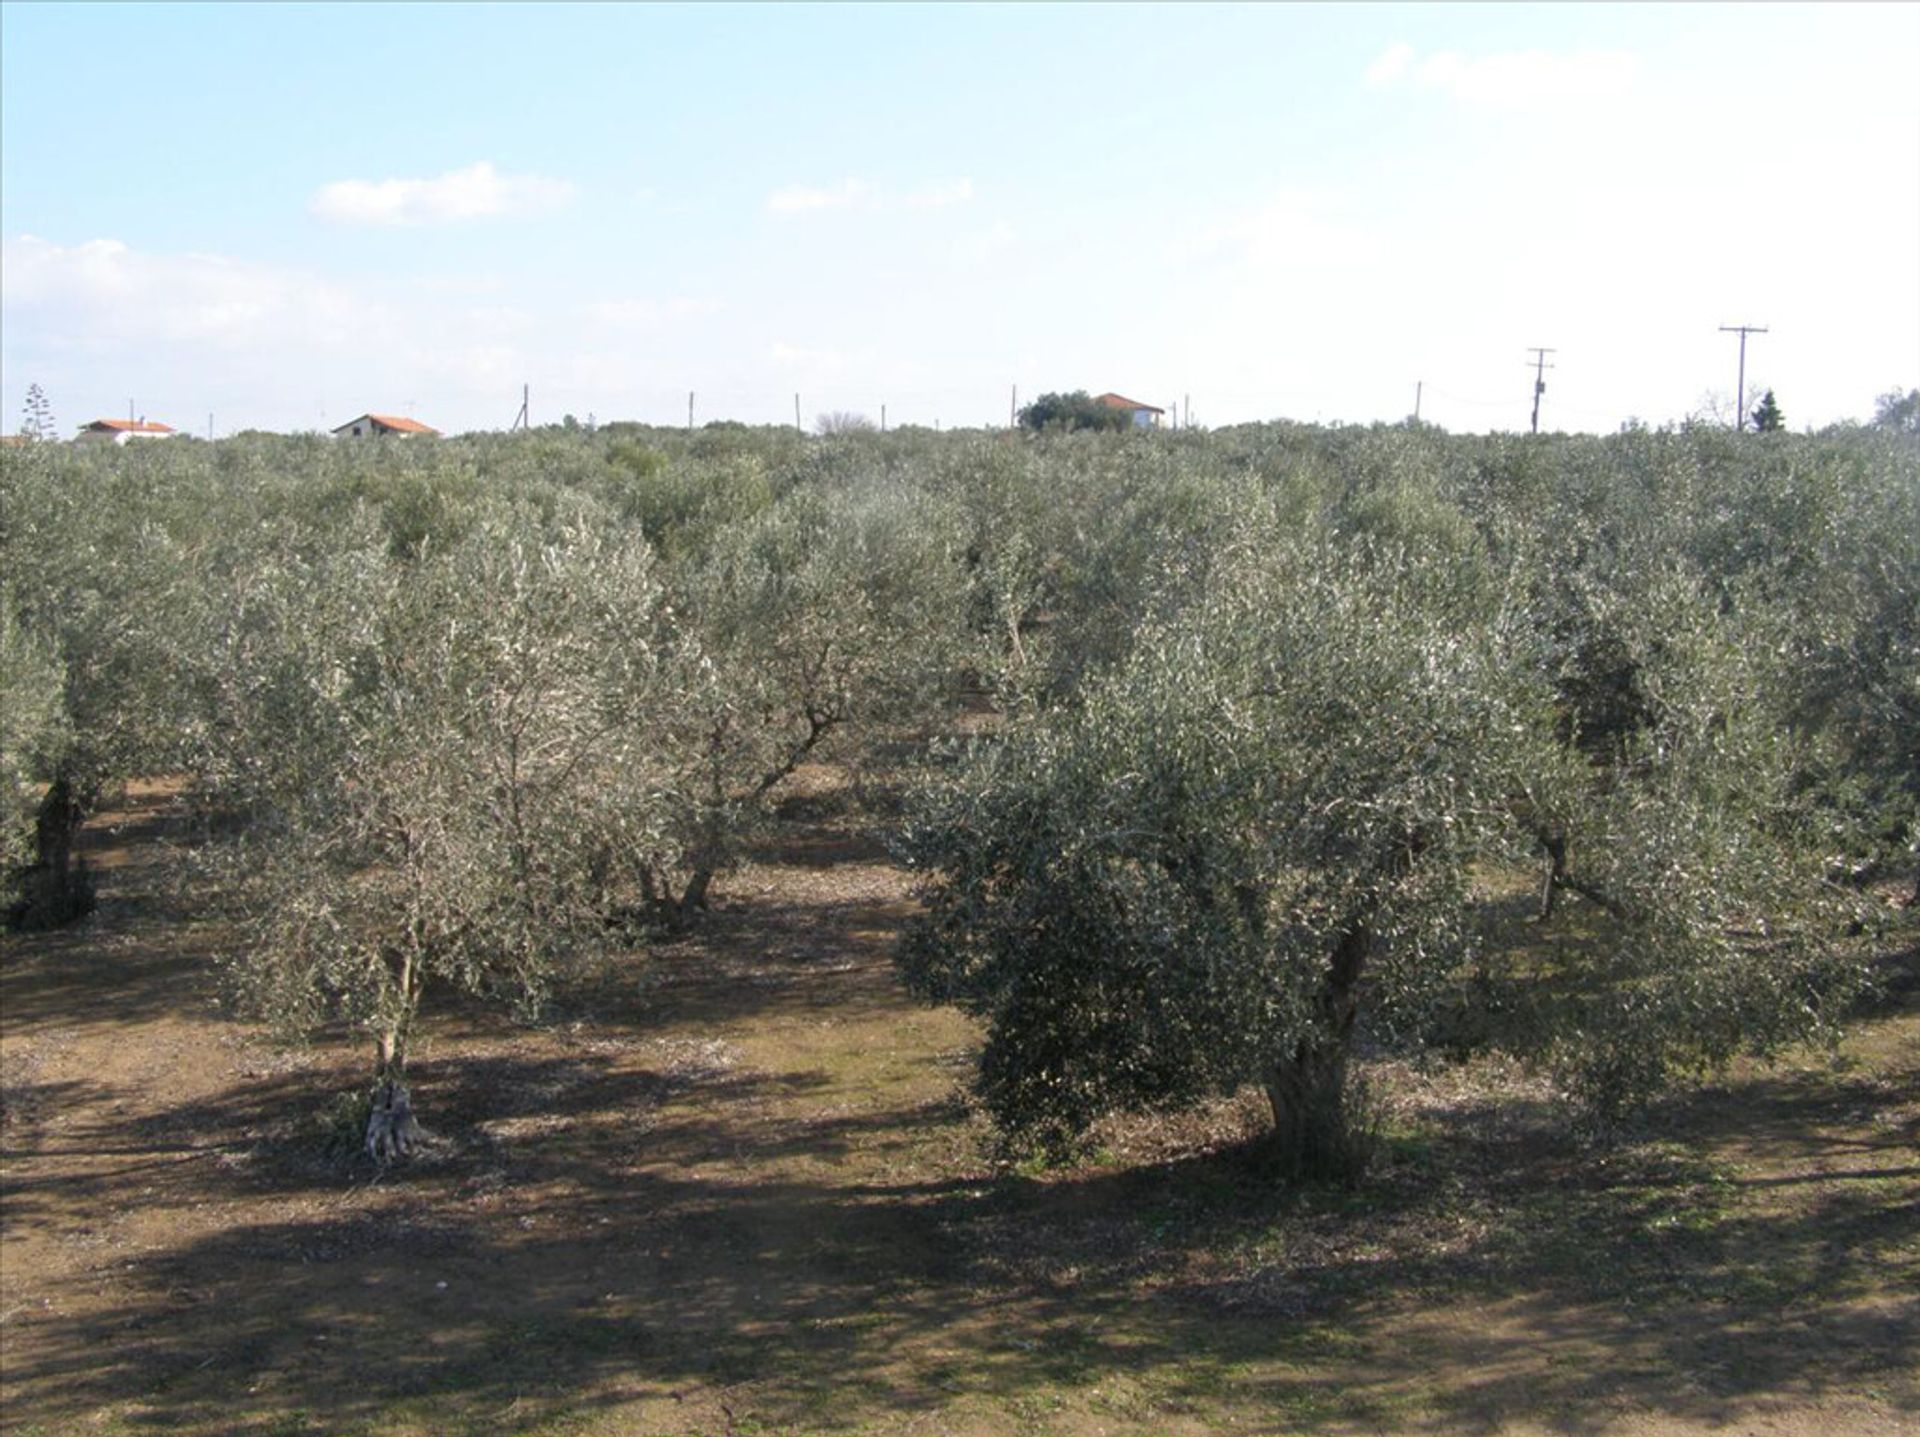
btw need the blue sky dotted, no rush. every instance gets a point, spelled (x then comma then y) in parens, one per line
(285, 216)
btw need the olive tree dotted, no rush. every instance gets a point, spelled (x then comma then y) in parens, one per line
(103, 557)
(826, 613)
(30, 723)
(1264, 829)
(1178, 885)
(463, 779)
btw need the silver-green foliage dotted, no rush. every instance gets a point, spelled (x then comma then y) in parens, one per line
(453, 768)
(824, 614)
(1264, 830)
(1174, 885)
(31, 717)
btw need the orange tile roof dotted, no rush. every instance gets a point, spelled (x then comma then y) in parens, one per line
(130, 426)
(1116, 401)
(401, 424)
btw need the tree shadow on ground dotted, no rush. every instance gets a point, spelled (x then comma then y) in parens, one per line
(652, 1248)
(626, 1214)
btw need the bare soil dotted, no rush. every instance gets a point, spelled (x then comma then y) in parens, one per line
(733, 1186)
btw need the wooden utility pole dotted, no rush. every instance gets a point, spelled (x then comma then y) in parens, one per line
(1740, 384)
(1540, 368)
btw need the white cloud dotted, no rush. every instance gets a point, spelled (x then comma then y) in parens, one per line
(648, 313)
(800, 199)
(106, 289)
(853, 194)
(793, 356)
(938, 196)
(984, 244)
(1291, 230)
(1509, 78)
(1394, 62)
(477, 192)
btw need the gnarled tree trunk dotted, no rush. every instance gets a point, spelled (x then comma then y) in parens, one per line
(1307, 1089)
(392, 1131)
(57, 889)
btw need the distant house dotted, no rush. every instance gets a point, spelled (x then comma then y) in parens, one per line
(1144, 416)
(368, 426)
(120, 431)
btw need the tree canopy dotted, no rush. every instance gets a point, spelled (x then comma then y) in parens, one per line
(1072, 411)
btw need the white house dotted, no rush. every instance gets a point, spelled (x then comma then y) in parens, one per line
(369, 425)
(120, 431)
(1144, 416)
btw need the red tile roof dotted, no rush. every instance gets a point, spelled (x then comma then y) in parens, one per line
(392, 423)
(130, 426)
(1117, 401)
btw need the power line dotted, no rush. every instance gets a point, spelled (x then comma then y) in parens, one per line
(1540, 368)
(1740, 389)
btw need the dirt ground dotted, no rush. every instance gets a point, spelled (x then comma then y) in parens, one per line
(732, 1187)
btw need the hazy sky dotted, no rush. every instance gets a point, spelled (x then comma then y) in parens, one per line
(286, 216)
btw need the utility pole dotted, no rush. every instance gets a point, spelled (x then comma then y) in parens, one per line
(689, 411)
(796, 413)
(883, 419)
(1186, 411)
(209, 428)
(1540, 368)
(1418, 386)
(1740, 391)
(520, 419)
(1013, 406)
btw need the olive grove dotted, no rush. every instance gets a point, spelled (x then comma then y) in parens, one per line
(1299, 743)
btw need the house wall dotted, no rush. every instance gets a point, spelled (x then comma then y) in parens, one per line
(114, 436)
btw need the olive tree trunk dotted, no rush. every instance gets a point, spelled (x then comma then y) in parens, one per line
(392, 1131)
(1307, 1088)
(57, 889)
